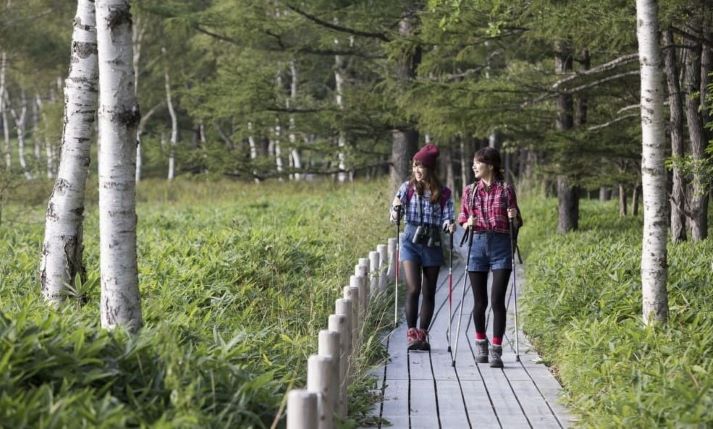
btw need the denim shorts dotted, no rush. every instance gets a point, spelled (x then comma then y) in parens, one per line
(424, 255)
(491, 251)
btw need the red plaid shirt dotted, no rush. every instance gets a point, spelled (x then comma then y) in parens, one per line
(488, 206)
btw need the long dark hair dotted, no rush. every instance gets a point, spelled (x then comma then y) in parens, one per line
(430, 179)
(491, 156)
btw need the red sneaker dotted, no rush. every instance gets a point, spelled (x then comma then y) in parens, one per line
(413, 339)
(423, 338)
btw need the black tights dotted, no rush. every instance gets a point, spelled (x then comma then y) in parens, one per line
(413, 284)
(479, 281)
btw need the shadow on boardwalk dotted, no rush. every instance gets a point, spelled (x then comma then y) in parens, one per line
(424, 390)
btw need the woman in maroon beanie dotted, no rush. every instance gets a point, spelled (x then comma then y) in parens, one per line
(428, 208)
(486, 206)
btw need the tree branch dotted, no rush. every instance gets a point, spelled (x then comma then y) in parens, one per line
(613, 121)
(336, 27)
(625, 59)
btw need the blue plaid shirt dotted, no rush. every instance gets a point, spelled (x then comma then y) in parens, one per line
(433, 214)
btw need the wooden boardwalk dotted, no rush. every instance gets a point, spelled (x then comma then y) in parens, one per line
(424, 390)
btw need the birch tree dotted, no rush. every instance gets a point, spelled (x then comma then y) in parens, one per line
(20, 123)
(3, 110)
(62, 245)
(174, 122)
(118, 119)
(653, 252)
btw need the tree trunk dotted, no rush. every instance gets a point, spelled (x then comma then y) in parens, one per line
(404, 146)
(253, 150)
(63, 242)
(699, 194)
(339, 65)
(405, 138)
(277, 148)
(174, 122)
(567, 193)
(635, 200)
(582, 100)
(118, 119)
(20, 121)
(137, 36)
(622, 200)
(678, 190)
(3, 111)
(36, 128)
(450, 177)
(653, 174)
(604, 194)
(294, 151)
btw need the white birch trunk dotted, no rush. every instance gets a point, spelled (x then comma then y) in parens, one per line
(174, 124)
(118, 118)
(137, 35)
(36, 127)
(139, 132)
(253, 150)
(653, 252)
(3, 111)
(62, 245)
(294, 152)
(20, 121)
(339, 99)
(278, 150)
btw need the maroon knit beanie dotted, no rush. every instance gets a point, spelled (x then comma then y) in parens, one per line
(427, 155)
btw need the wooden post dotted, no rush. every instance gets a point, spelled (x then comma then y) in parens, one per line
(329, 346)
(383, 250)
(362, 270)
(301, 409)
(339, 323)
(320, 381)
(392, 259)
(374, 264)
(358, 282)
(352, 293)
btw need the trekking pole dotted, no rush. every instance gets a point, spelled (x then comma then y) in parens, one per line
(514, 286)
(398, 243)
(469, 234)
(450, 289)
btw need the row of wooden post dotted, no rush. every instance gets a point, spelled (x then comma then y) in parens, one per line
(328, 372)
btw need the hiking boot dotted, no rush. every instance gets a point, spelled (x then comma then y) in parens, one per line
(481, 351)
(413, 339)
(423, 338)
(496, 355)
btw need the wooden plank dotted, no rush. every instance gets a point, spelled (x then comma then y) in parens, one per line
(477, 402)
(451, 409)
(504, 400)
(420, 366)
(423, 405)
(534, 405)
(396, 402)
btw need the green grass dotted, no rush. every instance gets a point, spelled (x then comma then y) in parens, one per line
(582, 307)
(236, 281)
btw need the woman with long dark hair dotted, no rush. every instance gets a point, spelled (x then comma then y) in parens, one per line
(486, 207)
(427, 208)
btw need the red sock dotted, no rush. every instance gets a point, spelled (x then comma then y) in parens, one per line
(497, 341)
(480, 335)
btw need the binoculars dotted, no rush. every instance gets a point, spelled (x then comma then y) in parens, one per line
(428, 236)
